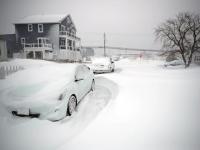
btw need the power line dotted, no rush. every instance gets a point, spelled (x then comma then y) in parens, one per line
(104, 47)
(123, 48)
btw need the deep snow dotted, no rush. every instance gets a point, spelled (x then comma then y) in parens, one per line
(142, 105)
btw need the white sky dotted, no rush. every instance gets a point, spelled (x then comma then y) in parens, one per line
(127, 23)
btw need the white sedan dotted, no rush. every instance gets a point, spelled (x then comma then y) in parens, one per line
(176, 62)
(49, 92)
(102, 64)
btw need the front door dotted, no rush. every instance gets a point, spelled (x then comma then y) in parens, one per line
(41, 41)
(81, 84)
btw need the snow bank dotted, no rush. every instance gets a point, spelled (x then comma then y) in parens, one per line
(142, 105)
(26, 63)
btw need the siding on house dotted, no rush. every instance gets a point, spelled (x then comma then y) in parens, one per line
(31, 37)
(3, 50)
(53, 36)
(10, 44)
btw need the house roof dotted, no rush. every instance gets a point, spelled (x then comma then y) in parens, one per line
(42, 19)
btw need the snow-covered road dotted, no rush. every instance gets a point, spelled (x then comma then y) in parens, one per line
(157, 108)
(140, 106)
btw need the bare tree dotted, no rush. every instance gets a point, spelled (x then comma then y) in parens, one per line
(181, 34)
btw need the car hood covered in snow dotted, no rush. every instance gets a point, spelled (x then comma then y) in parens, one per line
(45, 83)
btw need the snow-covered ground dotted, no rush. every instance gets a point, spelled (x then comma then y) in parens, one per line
(142, 105)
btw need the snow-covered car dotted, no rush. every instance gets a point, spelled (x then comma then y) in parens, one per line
(115, 58)
(102, 64)
(48, 92)
(176, 62)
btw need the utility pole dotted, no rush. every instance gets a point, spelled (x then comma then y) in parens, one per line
(104, 37)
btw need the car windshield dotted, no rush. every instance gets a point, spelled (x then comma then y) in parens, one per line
(101, 60)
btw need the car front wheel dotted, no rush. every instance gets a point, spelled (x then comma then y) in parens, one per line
(71, 105)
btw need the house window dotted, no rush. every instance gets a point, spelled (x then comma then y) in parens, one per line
(73, 33)
(68, 20)
(23, 40)
(62, 28)
(40, 28)
(197, 59)
(30, 27)
(69, 44)
(62, 43)
(74, 45)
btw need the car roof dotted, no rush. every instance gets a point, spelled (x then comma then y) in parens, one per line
(45, 73)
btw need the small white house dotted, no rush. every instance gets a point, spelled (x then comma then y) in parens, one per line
(3, 50)
(196, 58)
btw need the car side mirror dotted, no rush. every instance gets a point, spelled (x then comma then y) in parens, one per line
(78, 79)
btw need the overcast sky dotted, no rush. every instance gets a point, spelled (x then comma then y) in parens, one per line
(127, 23)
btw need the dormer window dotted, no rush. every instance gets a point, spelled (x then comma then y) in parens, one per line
(63, 28)
(40, 28)
(30, 27)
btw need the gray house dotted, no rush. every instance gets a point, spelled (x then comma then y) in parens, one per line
(50, 37)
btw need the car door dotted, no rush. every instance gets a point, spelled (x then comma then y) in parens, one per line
(88, 78)
(80, 82)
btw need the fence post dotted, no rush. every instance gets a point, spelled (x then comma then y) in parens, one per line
(7, 71)
(2, 73)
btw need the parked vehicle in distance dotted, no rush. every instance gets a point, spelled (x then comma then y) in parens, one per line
(102, 65)
(49, 92)
(87, 60)
(115, 58)
(176, 62)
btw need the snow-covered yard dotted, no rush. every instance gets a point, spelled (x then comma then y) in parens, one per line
(142, 105)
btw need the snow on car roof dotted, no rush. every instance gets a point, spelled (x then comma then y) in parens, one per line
(42, 19)
(39, 81)
(100, 60)
(37, 71)
(46, 73)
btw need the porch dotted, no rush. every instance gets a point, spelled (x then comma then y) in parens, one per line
(38, 50)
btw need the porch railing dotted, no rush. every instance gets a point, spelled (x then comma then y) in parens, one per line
(69, 34)
(37, 45)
